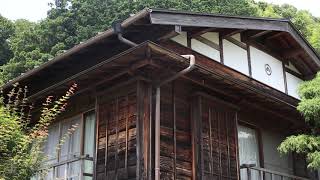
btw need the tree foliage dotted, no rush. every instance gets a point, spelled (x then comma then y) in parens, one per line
(309, 142)
(25, 45)
(21, 153)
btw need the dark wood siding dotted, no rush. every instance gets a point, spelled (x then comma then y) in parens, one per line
(176, 149)
(117, 142)
(217, 139)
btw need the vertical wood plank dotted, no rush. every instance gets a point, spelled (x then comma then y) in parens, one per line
(210, 141)
(218, 150)
(116, 116)
(188, 40)
(285, 78)
(237, 144)
(138, 128)
(221, 48)
(199, 119)
(174, 132)
(127, 134)
(151, 133)
(96, 138)
(249, 59)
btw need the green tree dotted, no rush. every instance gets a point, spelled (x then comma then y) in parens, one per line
(6, 30)
(307, 143)
(21, 154)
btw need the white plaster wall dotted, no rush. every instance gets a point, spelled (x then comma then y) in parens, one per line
(212, 36)
(272, 158)
(237, 36)
(235, 57)
(205, 50)
(258, 61)
(181, 39)
(293, 83)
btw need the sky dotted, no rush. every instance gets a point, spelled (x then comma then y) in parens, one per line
(35, 10)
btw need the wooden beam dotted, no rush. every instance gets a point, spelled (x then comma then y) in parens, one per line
(249, 60)
(236, 42)
(266, 50)
(259, 34)
(207, 42)
(176, 31)
(200, 32)
(228, 33)
(276, 35)
(285, 78)
(169, 35)
(294, 73)
(292, 53)
(200, 20)
(221, 49)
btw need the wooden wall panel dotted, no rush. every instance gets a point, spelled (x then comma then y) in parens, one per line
(217, 140)
(117, 141)
(175, 144)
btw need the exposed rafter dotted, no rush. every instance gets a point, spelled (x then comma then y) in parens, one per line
(201, 31)
(236, 42)
(231, 32)
(208, 42)
(259, 34)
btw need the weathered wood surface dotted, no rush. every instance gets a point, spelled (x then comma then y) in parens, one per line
(117, 138)
(175, 144)
(217, 137)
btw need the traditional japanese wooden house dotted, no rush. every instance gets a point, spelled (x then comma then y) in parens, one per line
(179, 95)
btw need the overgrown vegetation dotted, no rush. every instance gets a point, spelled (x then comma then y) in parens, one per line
(307, 143)
(21, 151)
(25, 45)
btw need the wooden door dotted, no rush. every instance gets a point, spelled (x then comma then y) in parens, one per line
(215, 139)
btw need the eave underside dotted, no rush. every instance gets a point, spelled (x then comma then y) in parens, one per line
(151, 62)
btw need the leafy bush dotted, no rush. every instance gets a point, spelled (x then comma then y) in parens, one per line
(308, 143)
(21, 155)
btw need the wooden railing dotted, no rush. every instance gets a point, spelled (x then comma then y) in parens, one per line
(257, 173)
(53, 169)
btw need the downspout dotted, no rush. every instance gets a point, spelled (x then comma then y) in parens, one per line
(157, 111)
(117, 28)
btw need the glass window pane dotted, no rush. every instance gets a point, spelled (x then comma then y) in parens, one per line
(61, 172)
(64, 141)
(89, 141)
(88, 166)
(74, 170)
(71, 142)
(75, 137)
(87, 178)
(248, 149)
(51, 144)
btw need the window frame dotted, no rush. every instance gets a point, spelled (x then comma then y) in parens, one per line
(259, 138)
(81, 158)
